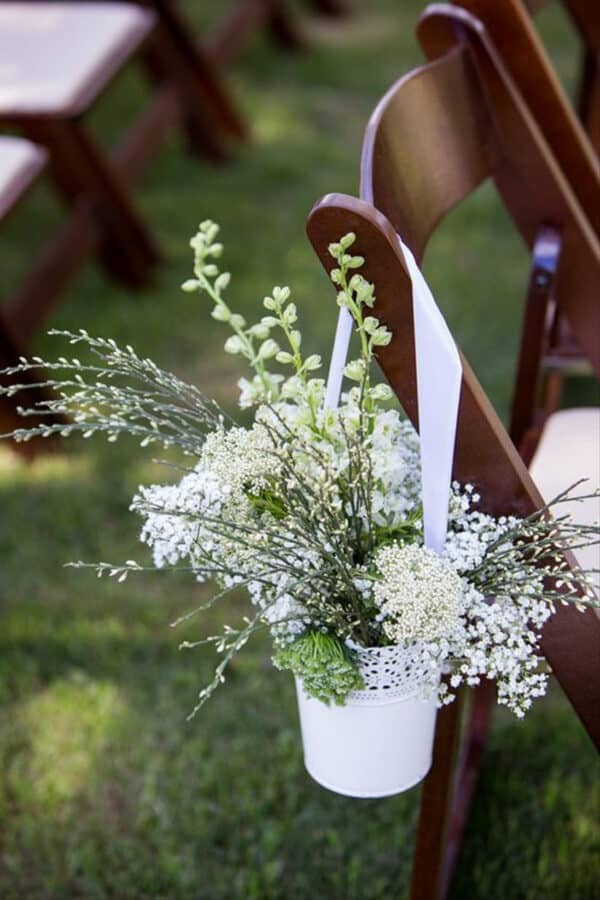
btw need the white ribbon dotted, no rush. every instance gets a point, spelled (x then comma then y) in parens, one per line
(439, 376)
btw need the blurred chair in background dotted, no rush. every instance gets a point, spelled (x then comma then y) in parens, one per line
(55, 60)
(328, 7)
(249, 16)
(192, 86)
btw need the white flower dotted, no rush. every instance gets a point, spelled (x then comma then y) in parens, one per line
(417, 593)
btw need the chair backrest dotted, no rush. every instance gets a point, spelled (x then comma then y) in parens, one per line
(429, 143)
(445, 127)
(517, 42)
(548, 349)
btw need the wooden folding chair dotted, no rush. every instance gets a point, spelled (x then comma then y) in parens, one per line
(510, 28)
(55, 60)
(436, 135)
(20, 165)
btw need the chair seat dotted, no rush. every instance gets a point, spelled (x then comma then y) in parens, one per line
(56, 57)
(20, 163)
(569, 450)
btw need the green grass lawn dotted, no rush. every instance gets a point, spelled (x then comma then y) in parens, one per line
(105, 790)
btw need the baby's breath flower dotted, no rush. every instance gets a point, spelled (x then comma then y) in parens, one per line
(418, 594)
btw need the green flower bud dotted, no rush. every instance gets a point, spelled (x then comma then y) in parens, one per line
(234, 344)
(354, 370)
(260, 331)
(371, 324)
(237, 321)
(313, 362)
(269, 349)
(284, 357)
(381, 337)
(222, 281)
(221, 313)
(381, 392)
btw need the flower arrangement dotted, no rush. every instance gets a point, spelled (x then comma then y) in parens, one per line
(317, 512)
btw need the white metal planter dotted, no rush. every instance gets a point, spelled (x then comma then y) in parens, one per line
(380, 742)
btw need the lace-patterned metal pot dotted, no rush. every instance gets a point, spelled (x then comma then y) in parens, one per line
(380, 742)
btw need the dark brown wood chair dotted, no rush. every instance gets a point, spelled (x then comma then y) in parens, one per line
(57, 58)
(510, 27)
(328, 7)
(435, 136)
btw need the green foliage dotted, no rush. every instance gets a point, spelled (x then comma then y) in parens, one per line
(105, 792)
(324, 664)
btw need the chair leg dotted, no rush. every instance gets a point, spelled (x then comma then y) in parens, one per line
(282, 28)
(209, 114)
(448, 791)
(328, 7)
(247, 17)
(80, 169)
(534, 337)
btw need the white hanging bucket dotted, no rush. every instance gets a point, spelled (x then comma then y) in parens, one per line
(380, 742)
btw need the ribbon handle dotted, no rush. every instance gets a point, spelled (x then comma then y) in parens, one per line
(439, 377)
